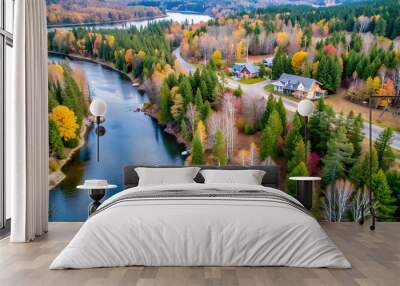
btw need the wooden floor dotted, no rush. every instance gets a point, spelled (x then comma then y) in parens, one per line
(375, 257)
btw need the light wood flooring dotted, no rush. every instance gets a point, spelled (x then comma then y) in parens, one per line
(375, 257)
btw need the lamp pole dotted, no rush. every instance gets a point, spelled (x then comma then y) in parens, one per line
(98, 108)
(305, 138)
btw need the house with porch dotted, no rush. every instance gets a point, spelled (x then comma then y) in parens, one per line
(299, 86)
(245, 70)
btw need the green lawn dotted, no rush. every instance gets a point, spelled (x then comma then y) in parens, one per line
(270, 88)
(251, 80)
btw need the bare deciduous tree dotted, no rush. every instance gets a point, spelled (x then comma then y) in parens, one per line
(359, 204)
(191, 114)
(336, 200)
(228, 109)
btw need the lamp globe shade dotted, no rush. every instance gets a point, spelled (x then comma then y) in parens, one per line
(98, 107)
(305, 107)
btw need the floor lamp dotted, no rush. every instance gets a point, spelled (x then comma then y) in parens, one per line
(371, 204)
(98, 108)
(305, 108)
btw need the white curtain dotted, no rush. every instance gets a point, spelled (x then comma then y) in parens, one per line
(27, 124)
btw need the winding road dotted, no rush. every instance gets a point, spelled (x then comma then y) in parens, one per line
(258, 90)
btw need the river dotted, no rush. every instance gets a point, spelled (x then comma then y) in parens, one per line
(131, 138)
(174, 16)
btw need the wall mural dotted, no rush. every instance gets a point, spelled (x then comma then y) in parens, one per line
(186, 88)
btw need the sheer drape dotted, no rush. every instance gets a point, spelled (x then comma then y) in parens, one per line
(27, 124)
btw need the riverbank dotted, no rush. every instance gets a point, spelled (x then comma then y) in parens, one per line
(152, 110)
(96, 61)
(55, 178)
(93, 24)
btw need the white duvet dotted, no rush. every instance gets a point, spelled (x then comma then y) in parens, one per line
(200, 231)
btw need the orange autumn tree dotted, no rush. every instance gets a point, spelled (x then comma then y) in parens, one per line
(387, 89)
(129, 57)
(65, 120)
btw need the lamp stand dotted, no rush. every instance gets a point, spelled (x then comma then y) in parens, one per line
(305, 140)
(100, 131)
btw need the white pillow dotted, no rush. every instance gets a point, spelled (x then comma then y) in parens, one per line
(248, 177)
(166, 176)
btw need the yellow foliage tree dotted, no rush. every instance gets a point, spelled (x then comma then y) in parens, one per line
(201, 131)
(177, 105)
(373, 84)
(240, 50)
(141, 54)
(111, 41)
(282, 39)
(217, 57)
(59, 69)
(65, 120)
(297, 61)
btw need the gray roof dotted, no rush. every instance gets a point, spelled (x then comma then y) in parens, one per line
(252, 68)
(292, 81)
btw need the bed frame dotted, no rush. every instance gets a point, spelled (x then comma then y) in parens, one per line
(270, 179)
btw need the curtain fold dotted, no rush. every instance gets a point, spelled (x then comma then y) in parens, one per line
(27, 122)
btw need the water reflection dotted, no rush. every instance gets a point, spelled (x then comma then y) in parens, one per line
(131, 138)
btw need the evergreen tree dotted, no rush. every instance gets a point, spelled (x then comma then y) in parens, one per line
(211, 64)
(198, 100)
(52, 99)
(185, 89)
(393, 179)
(274, 122)
(386, 156)
(270, 106)
(338, 156)
(185, 131)
(329, 73)
(297, 121)
(280, 107)
(291, 141)
(359, 174)
(356, 42)
(298, 156)
(382, 194)
(268, 144)
(218, 149)
(320, 127)
(238, 92)
(354, 126)
(280, 64)
(55, 141)
(204, 90)
(165, 104)
(197, 151)
(196, 79)
(299, 171)
(205, 111)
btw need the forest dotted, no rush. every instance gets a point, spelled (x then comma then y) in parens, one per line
(94, 11)
(67, 109)
(223, 126)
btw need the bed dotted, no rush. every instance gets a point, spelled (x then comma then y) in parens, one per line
(198, 224)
